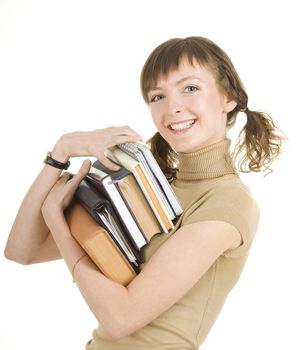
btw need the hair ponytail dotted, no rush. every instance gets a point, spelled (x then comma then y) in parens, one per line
(164, 155)
(259, 143)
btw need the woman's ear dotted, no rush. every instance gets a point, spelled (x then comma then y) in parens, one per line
(229, 105)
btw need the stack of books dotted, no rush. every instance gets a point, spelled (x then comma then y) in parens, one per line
(116, 213)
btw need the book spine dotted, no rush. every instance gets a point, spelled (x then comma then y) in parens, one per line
(107, 186)
(125, 215)
(172, 204)
(161, 178)
(132, 150)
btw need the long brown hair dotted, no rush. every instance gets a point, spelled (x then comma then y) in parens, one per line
(259, 142)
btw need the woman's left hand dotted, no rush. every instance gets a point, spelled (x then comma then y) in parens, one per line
(62, 193)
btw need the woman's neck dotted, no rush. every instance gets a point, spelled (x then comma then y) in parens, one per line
(207, 163)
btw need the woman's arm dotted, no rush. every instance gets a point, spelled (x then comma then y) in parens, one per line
(176, 266)
(29, 240)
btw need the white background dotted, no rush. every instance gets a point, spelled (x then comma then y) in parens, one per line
(74, 65)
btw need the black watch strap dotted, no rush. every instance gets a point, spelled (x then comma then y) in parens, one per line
(55, 163)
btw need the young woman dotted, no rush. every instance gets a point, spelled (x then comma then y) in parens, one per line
(194, 95)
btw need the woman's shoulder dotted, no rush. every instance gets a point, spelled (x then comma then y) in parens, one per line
(233, 186)
(225, 190)
(228, 200)
(225, 194)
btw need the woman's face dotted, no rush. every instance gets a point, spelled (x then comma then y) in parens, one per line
(188, 109)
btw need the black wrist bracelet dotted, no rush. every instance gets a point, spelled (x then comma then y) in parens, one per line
(55, 163)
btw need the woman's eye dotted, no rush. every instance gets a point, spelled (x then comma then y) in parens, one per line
(190, 88)
(155, 98)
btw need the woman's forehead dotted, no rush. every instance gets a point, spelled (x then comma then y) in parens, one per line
(185, 69)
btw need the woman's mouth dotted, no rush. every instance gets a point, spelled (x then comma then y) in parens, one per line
(182, 126)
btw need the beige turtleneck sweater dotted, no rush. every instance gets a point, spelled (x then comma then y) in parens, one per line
(209, 189)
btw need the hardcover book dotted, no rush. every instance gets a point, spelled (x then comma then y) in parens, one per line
(102, 211)
(141, 152)
(99, 245)
(107, 185)
(156, 200)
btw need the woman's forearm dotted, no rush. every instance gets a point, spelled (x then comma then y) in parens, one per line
(110, 303)
(29, 240)
(29, 230)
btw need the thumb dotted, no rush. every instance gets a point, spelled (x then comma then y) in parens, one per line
(85, 167)
(83, 171)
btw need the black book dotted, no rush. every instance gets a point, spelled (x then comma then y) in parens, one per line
(105, 181)
(102, 211)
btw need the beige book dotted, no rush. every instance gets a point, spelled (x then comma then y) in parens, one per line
(139, 206)
(99, 246)
(122, 158)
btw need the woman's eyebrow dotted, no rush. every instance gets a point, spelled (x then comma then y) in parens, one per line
(189, 77)
(178, 82)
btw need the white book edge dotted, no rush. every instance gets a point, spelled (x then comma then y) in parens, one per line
(168, 209)
(119, 156)
(161, 178)
(125, 213)
(116, 235)
(141, 152)
(110, 188)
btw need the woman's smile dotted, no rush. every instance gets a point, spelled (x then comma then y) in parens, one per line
(181, 127)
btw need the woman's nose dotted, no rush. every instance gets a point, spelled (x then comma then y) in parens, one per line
(174, 104)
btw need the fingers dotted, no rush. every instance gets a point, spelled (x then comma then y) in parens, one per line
(94, 144)
(66, 176)
(76, 179)
(108, 163)
(83, 171)
(123, 134)
(125, 138)
(118, 138)
(85, 168)
(128, 131)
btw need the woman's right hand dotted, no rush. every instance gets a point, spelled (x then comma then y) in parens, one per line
(93, 143)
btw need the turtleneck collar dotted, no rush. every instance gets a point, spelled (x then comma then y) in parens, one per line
(207, 163)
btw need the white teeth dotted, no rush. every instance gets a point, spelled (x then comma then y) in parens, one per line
(182, 126)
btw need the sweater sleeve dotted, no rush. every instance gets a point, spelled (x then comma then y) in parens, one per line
(232, 204)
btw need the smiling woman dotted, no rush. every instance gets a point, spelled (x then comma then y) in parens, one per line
(194, 94)
(199, 78)
(188, 103)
